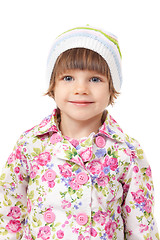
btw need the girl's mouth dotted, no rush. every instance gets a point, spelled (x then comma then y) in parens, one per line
(81, 103)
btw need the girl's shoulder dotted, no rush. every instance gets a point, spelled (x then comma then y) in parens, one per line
(126, 142)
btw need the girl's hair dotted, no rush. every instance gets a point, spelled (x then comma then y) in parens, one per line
(82, 59)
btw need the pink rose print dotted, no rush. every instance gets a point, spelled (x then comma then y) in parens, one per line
(28, 237)
(128, 151)
(11, 158)
(81, 237)
(20, 177)
(112, 162)
(17, 170)
(93, 232)
(143, 228)
(95, 167)
(74, 185)
(103, 129)
(15, 212)
(28, 130)
(102, 180)
(44, 122)
(148, 186)
(13, 226)
(148, 172)
(60, 234)
(43, 158)
(19, 154)
(138, 196)
(112, 120)
(135, 169)
(74, 142)
(148, 206)
(65, 170)
(125, 188)
(110, 228)
(77, 160)
(137, 179)
(65, 204)
(119, 209)
(51, 184)
(44, 233)
(100, 217)
(120, 129)
(55, 138)
(86, 155)
(128, 209)
(29, 205)
(34, 170)
(27, 234)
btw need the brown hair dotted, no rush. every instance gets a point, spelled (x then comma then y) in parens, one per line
(83, 59)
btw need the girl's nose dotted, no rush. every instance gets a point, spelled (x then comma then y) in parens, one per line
(81, 88)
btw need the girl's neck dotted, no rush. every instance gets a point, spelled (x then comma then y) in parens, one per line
(79, 129)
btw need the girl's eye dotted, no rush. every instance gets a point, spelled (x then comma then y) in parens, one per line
(68, 78)
(95, 79)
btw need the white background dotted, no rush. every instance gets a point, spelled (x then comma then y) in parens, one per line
(27, 30)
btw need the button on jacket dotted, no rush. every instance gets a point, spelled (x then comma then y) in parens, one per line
(100, 188)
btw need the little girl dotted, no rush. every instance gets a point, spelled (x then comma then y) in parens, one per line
(77, 175)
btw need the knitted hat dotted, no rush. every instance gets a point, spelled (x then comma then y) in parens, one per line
(104, 43)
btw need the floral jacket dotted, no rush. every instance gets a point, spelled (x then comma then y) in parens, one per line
(99, 188)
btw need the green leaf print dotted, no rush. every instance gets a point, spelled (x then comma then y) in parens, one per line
(109, 151)
(34, 219)
(37, 182)
(74, 152)
(33, 154)
(5, 197)
(69, 154)
(31, 195)
(143, 170)
(140, 153)
(71, 191)
(139, 219)
(34, 140)
(87, 143)
(18, 203)
(75, 168)
(9, 203)
(57, 224)
(79, 193)
(2, 177)
(39, 223)
(4, 233)
(37, 151)
(115, 154)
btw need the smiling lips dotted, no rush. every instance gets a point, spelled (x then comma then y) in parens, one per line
(81, 103)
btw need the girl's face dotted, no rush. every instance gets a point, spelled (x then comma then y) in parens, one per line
(81, 95)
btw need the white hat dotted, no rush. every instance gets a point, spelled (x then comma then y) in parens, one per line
(104, 43)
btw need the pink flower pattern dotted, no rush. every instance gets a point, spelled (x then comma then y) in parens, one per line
(51, 183)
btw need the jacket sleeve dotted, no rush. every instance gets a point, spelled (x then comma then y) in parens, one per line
(13, 194)
(137, 207)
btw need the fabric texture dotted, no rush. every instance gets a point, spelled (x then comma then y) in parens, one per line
(104, 43)
(57, 188)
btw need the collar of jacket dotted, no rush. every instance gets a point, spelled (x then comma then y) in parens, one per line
(110, 127)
